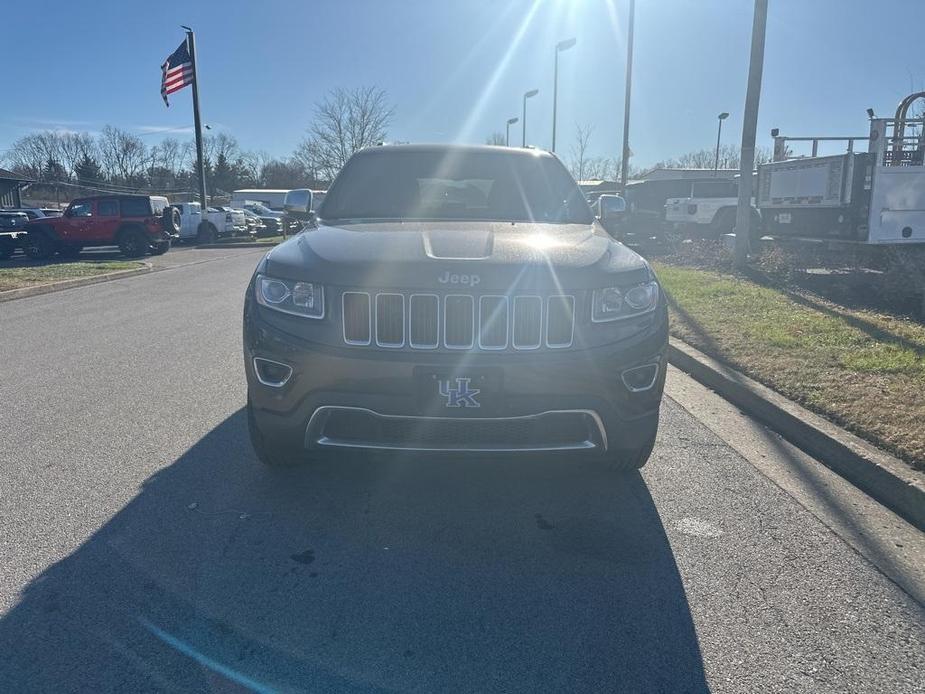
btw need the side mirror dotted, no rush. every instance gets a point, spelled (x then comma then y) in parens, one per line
(298, 203)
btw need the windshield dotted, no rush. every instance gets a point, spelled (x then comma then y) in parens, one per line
(455, 184)
(260, 209)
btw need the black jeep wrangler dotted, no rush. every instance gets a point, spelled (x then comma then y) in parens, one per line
(454, 298)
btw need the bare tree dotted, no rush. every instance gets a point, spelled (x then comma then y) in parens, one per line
(75, 148)
(579, 151)
(601, 168)
(170, 155)
(496, 139)
(124, 156)
(705, 158)
(220, 145)
(30, 155)
(345, 122)
(307, 156)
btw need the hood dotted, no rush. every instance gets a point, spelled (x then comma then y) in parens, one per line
(493, 255)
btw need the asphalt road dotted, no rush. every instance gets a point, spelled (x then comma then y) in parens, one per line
(142, 547)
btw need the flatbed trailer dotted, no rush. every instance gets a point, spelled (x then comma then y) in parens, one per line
(874, 198)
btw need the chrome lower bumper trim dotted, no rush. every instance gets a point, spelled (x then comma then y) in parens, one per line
(316, 438)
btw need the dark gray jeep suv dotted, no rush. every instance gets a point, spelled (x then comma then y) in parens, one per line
(454, 298)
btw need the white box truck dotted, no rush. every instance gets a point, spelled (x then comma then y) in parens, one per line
(872, 198)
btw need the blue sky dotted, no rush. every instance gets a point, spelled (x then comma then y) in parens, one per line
(456, 69)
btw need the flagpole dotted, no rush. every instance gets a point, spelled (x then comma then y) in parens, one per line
(191, 42)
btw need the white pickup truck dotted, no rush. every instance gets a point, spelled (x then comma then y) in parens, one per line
(708, 211)
(216, 223)
(238, 219)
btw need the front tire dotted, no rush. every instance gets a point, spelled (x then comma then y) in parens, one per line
(39, 246)
(627, 460)
(274, 455)
(7, 248)
(160, 248)
(723, 223)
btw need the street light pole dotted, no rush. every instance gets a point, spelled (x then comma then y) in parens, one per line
(523, 121)
(721, 117)
(624, 164)
(561, 46)
(507, 131)
(749, 131)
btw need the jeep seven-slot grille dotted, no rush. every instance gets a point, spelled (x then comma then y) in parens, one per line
(458, 321)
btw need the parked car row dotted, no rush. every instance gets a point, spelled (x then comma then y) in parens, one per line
(142, 224)
(137, 224)
(280, 208)
(701, 208)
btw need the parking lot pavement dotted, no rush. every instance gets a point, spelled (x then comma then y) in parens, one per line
(144, 548)
(178, 255)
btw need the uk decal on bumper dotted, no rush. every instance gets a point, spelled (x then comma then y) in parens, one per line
(460, 396)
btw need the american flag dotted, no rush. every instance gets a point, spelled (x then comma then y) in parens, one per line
(177, 71)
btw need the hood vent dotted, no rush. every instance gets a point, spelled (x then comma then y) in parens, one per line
(453, 245)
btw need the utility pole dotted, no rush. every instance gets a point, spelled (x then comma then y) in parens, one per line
(624, 164)
(749, 130)
(191, 40)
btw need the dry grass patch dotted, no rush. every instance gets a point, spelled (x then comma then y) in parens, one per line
(16, 277)
(861, 369)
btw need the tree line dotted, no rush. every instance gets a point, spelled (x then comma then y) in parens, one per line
(345, 121)
(585, 167)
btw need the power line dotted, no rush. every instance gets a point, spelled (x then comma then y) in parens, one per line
(125, 190)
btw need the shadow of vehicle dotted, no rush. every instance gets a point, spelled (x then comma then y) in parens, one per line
(362, 574)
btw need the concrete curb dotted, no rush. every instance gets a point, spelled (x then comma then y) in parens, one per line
(880, 475)
(24, 292)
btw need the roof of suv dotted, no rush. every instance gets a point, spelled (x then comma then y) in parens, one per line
(430, 148)
(121, 195)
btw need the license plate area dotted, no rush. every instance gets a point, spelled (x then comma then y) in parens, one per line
(459, 392)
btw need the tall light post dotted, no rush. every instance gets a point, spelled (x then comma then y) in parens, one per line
(523, 118)
(561, 46)
(624, 164)
(507, 131)
(719, 131)
(749, 130)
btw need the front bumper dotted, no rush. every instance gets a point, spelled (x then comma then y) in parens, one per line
(402, 390)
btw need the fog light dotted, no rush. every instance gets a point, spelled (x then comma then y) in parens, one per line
(272, 373)
(640, 378)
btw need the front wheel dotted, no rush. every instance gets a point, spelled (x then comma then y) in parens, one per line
(39, 246)
(160, 248)
(626, 460)
(723, 223)
(7, 248)
(271, 454)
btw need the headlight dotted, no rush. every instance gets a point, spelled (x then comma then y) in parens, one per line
(615, 303)
(298, 298)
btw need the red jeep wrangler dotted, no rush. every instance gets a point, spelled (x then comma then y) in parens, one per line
(137, 224)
